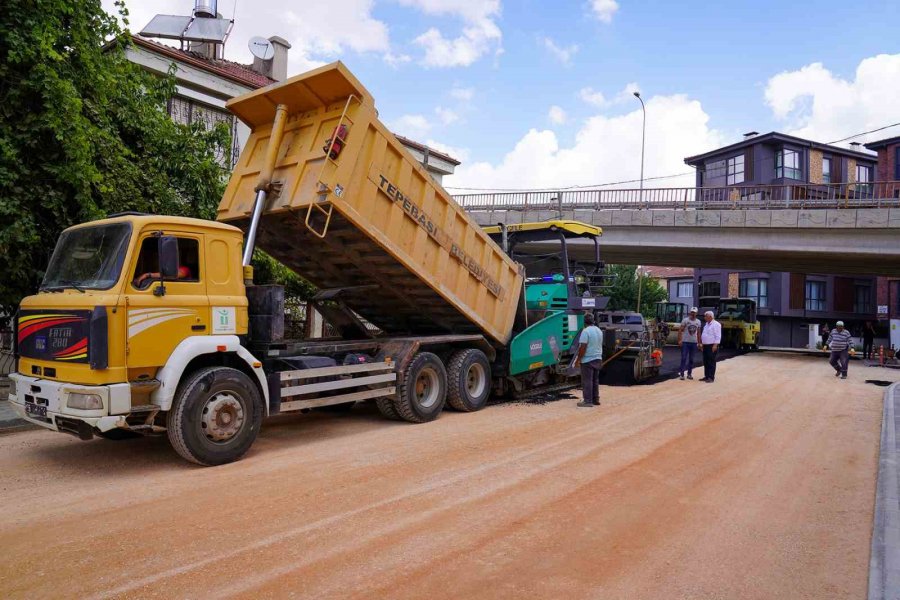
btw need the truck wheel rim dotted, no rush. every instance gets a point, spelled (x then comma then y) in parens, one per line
(475, 380)
(427, 387)
(223, 417)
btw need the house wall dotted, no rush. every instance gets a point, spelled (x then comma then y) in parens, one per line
(782, 325)
(762, 169)
(886, 170)
(673, 290)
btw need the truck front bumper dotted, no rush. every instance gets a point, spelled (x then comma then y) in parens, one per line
(53, 396)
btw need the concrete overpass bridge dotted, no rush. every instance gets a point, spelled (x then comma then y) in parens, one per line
(843, 229)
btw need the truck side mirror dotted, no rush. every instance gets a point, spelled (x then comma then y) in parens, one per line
(168, 257)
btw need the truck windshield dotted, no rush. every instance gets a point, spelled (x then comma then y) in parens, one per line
(88, 258)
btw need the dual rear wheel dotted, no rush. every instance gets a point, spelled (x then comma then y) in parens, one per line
(427, 385)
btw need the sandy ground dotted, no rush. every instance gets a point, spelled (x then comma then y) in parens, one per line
(758, 486)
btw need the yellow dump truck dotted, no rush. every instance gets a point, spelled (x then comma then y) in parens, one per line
(150, 324)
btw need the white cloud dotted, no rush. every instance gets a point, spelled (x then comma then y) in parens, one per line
(604, 10)
(479, 35)
(315, 33)
(557, 115)
(411, 126)
(460, 154)
(395, 60)
(462, 94)
(560, 53)
(605, 149)
(447, 116)
(815, 103)
(594, 98)
(627, 92)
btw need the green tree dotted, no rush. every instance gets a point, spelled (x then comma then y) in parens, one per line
(85, 133)
(623, 292)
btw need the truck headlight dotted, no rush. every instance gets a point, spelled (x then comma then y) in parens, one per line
(84, 401)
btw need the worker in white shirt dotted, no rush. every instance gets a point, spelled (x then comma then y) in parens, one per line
(710, 339)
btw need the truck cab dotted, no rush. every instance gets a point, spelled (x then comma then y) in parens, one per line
(125, 305)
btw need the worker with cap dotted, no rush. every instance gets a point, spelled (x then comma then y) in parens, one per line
(839, 342)
(710, 338)
(688, 340)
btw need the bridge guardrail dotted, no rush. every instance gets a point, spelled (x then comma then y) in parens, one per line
(880, 194)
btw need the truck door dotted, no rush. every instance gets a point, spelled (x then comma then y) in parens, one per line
(162, 313)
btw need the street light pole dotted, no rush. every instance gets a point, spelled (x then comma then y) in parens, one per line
(643, 137)
(640, 274)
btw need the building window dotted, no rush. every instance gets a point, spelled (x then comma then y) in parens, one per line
(736, 170)
(787, 164)
(756, 290)
(894, 298)
(188, 112)
(685, 289)
(864, 178)
(826, 170)
(897, 163)
(815, 295)
(862, 298)
(715, 169)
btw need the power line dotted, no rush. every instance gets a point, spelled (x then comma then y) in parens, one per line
(864, 133)
(569, 187)
(598, 185)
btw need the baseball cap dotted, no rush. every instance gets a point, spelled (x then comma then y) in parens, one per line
(693, 309)
(839, 324)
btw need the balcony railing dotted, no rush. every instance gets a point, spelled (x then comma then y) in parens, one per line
(880, 194)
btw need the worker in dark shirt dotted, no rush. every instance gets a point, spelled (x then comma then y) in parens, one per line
(868, 339)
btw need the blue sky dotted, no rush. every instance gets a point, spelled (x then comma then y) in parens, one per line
(511, 87)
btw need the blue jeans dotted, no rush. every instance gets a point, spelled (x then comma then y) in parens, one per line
(687, 357)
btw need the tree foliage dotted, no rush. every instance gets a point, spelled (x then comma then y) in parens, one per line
(85, 133)
(624, 290)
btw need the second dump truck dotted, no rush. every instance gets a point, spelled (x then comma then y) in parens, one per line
(150, 324)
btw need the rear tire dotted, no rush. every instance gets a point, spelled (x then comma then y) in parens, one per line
(388, 409)
(215, 417)
(468, 380)
(423, 393)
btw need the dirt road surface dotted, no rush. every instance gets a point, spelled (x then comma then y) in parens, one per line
(758, 486)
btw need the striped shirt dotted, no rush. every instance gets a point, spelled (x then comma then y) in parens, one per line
(839, 341)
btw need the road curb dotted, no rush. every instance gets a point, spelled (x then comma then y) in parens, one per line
(884, 560)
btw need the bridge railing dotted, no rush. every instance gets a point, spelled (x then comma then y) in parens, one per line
(880, 194)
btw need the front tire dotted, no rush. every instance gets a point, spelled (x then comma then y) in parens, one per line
(423, 393)
(215, 417)
(469, 380)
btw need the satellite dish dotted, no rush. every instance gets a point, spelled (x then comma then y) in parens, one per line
(261, 48)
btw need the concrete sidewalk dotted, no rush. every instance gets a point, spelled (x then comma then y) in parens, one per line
(884, 562)
(8, 417)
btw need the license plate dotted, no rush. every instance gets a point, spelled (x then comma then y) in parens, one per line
(36, 410)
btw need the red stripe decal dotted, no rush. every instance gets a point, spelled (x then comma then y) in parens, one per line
(31, 328)
(77, 348)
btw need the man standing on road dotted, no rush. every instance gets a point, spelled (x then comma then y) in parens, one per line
(688, 338)
(868, 340)
(839, 342)
(590, 359)
(709, 342)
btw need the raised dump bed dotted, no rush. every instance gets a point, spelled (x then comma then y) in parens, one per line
(353, 209)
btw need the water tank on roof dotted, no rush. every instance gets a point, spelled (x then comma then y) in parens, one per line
(205, 8)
